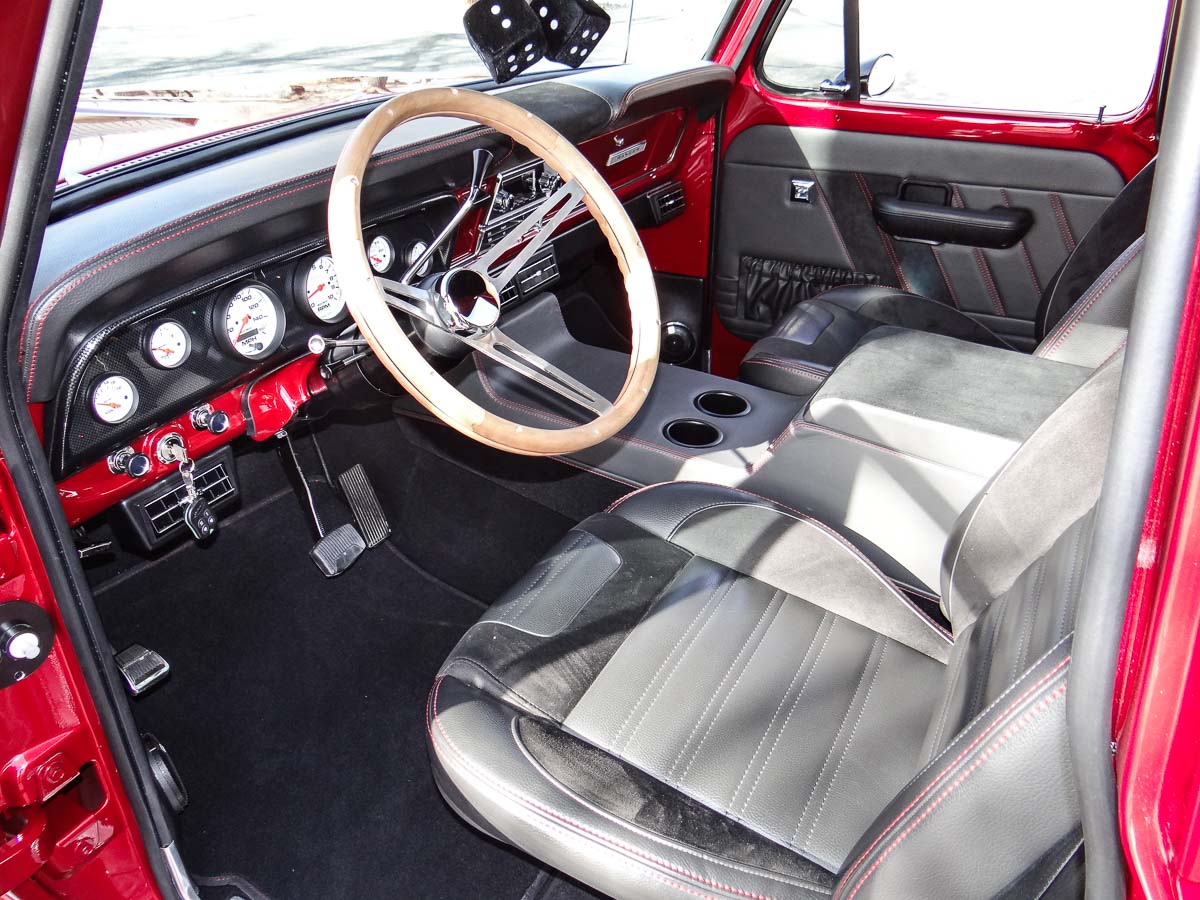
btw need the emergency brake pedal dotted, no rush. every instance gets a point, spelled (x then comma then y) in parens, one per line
(141, 668)
(364, 503)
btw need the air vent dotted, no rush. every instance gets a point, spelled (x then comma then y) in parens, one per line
(154, 516)
(667, 202)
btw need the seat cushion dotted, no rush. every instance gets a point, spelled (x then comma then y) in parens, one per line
(698, 690)
(800, 350)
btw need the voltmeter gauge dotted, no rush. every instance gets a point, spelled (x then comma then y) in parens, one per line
(114, 399)
(168, 345)
(322, 294)
(381, 253)
(249, 321)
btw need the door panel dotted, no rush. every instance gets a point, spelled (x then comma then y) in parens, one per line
(1064, 191)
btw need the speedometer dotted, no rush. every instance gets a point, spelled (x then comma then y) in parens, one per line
(249, 321)
(322, 294)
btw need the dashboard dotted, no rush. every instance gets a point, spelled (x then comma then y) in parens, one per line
(199, 293)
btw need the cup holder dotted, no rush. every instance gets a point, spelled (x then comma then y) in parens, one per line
(723, 404)
(692, 433)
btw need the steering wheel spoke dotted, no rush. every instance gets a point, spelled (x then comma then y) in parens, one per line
(538, 227)
(503, 349)
(415, 301)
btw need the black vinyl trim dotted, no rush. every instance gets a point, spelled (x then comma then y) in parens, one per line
(998, 228)
(1149, 363)
(722, 29)
(70, 27)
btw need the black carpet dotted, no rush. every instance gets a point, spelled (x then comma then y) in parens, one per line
(294, 712)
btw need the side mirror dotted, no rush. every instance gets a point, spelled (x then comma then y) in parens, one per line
(878, 75)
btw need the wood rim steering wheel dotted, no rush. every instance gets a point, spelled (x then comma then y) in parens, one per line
(465, 301)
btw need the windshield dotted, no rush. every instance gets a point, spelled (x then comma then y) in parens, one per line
(162, 74)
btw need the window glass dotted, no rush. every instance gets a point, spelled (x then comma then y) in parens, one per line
(1066, 57)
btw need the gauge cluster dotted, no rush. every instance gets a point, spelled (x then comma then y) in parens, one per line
(139, 371)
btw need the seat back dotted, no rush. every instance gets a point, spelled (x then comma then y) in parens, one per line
(994, 811)
(1085, 309)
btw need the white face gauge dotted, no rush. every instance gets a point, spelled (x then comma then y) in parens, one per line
(321, 290)
(381, 253)
(253, 322)
(168, 345)
(114, 399)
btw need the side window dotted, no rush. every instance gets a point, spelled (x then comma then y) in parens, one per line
(1055, 57)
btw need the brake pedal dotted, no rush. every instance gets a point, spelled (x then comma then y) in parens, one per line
(336, 551)
(364, 503)
(141, 668)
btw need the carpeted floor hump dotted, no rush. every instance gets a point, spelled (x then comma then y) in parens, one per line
(294, 712)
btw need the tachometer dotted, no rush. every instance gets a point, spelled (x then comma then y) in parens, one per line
(168, 345)
(322, 295)
(114, 399)
(249, 321)
(381, 253)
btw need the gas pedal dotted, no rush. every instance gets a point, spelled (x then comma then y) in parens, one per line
(337, 551)
(364, 503)
(141, 668)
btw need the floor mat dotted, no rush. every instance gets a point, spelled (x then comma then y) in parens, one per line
(294, 714)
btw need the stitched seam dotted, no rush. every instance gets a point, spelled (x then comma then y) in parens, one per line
(800, 364)
(937, 257)
(778, 709)
(836, 738)
(544, 580)
(849, 741)
(434, 719)
(983, 757)
(1037, 285)
(62, 291)
(947, 698)
(1085, 303)
(728, 672)
(1027, 619)
(1064, 225)
(733, 689)
(791, 370)
(795, 705)
(785, 510)
(837, 232)
(989, 283)
(886, 241)
(675, 666)
(966, 751)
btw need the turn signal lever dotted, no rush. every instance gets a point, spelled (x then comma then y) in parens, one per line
(481, 162)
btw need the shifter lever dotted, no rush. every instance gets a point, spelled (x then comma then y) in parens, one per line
(481, 162)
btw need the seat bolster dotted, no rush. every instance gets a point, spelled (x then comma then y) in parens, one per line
(888, 306)
(785, 549)
(1014, 762)
(488, 774)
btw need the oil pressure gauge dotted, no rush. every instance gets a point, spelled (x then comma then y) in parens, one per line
(168, 345)
(381, 253)
(114, 399)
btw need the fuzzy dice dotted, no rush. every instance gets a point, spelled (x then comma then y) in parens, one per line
(573, 28)
(507, 35)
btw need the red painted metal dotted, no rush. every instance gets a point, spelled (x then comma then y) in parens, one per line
(272, 402)
(56, 772)
(1157, 701)
(680, 246)
(21, 24)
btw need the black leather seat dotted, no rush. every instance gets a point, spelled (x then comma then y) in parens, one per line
(703, 693)
(1082, 318)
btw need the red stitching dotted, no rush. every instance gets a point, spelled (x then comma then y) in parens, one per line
(758, 361)
(1037, 285)
(1064, 226)
(937, 257)
(63, 290)
(965, 752)
(432, 718)
(983, 757)
(1085, 303)
(837, 232)
(989, 283)
(883, 237)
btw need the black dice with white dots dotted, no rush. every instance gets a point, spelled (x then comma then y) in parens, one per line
(507, 35)
(572, 28)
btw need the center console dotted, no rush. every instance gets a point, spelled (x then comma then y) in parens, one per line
(891, 449)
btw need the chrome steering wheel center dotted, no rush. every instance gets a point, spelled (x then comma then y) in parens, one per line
(467, 303)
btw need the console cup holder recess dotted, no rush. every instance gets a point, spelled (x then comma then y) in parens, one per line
(692, 433)
(723, 404)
